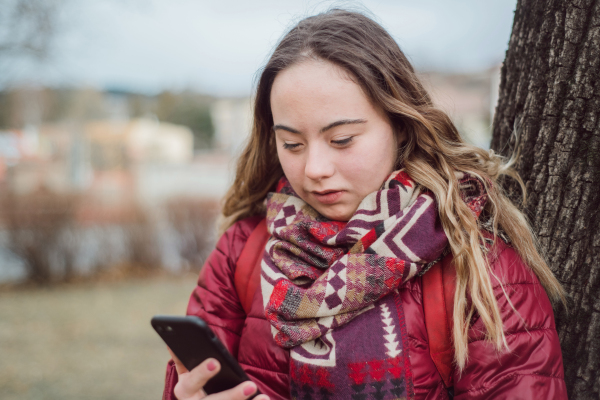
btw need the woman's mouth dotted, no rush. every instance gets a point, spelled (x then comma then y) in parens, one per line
(328, 196)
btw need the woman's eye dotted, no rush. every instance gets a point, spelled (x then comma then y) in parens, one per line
(290, 146)
(343, 141)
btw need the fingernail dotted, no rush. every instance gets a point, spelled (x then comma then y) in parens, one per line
(249, 389)
(212, 365)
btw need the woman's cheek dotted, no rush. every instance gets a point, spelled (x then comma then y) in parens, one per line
(293, 168)
(359, 169)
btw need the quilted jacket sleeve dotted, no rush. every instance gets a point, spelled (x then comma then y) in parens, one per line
(215, 299)
(532, 369)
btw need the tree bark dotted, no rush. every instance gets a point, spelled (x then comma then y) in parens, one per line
(548, 111)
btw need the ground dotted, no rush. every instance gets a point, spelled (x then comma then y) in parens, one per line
(87, 341)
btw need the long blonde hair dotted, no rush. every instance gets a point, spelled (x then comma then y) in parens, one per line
(432, 153)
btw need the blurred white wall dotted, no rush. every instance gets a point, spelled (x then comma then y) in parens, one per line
(232, 120)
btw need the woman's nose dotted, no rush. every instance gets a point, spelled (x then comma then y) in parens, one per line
(319, 164)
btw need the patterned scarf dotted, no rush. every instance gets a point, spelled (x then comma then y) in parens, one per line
(318, 275)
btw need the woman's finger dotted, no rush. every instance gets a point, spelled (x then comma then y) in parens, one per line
(191, 383)
(241, 392)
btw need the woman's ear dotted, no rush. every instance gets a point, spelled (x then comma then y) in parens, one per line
(401, 138)
(398, 129)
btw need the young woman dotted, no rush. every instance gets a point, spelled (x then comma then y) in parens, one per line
(369, 195)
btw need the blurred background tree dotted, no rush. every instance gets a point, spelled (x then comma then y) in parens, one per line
(28, 27)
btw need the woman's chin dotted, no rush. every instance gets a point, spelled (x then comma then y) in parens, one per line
(336, 212)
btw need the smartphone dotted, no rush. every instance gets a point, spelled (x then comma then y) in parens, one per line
(192, 341)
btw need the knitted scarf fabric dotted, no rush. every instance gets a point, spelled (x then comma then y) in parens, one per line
(318, 275)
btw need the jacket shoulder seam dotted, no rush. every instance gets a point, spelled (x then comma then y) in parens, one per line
(508, 284)
(519, 332)
(505, 284)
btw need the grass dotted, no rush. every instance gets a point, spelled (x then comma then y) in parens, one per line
(87, 341)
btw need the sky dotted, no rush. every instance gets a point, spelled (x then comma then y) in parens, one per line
(217, 47)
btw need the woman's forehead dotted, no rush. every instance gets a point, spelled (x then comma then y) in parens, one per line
(314, 88)
(312, 72)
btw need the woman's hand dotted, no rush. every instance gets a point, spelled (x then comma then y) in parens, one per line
(190, 384)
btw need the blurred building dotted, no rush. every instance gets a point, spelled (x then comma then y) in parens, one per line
(11, 143)
(118, 150)
(34, 158)
(100, 160)
(469, 99)
(232, 120)
(117, 144)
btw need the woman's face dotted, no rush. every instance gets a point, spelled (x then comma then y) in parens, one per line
(334, 146)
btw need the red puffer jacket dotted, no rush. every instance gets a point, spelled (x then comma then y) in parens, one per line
(531, 370)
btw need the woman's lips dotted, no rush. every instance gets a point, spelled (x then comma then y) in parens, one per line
(328, 197)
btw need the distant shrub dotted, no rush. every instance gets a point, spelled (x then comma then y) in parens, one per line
(36, 223)
(142, 241)
(47, 231)
(194, 223)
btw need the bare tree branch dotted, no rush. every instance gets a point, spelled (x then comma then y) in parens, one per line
(28, 27)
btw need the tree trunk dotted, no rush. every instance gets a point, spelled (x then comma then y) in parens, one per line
(548, 110)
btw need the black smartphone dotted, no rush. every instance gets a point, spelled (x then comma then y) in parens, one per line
(192, 341)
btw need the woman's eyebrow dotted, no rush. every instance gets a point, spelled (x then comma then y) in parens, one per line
(343, 122)
(285, 128)
(328, 127)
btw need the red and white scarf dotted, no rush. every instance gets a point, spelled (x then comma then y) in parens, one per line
(318, 275)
